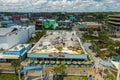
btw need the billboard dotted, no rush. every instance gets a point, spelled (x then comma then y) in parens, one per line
(49, 24)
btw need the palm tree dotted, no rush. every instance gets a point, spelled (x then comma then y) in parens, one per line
(110, 77)
(56, 69)
(111, 49)
(103, 36)
(117, 44)
(15, 64)
(59, 70)
(90, 32)
(62, 69)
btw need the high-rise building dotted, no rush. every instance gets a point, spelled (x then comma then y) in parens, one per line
(115, 20)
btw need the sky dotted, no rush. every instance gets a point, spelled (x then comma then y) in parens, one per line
(59, 5)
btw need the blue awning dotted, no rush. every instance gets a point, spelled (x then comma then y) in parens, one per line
(31, 68)
(117, 58)
(107, 64)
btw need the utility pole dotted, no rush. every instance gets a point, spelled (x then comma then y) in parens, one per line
(41, 76)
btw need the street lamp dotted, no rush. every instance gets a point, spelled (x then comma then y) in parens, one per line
(19, 75)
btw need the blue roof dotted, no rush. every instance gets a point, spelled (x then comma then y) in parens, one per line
(31, 68)
(117, 58)
(108, 64)
(10, 22)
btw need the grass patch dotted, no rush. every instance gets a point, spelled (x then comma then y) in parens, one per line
(76, 78)
(8, 77)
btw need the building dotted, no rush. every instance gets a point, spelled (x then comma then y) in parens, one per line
(45, 24)
(114, 20)
(65, 24)
(18, 17)
(39, 24)
(8, 23)
(89, 25)
(49, 24)
(24, 22)
(14, 35)
(57, 47)
(42, 14)
(16, 53)
(72, 18)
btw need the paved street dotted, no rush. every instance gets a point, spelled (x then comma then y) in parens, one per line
(86, 45)
(97, 60)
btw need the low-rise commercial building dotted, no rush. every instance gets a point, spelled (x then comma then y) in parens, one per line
(16, 53)
(65, 24)
(59, 47)
(89, 25)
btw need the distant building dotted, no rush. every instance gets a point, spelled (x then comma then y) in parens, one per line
(8, 23)
(89, 25)
(24, 22)
(65, 24)
(45, 24)
(114, 20)
(39, 24)
(42, 14)
(14, 35)
(49, 24)
(18, 17)
(72, 18)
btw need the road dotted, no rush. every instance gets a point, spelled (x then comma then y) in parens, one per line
(86, 45)
(97, 60)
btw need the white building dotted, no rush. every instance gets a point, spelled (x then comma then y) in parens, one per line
(14, 35)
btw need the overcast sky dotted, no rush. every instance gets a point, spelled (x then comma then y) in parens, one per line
(59, 5)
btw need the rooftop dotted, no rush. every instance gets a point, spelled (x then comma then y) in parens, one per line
(58, 42)
(89, 23)
(4, 31)
(18, 47)
(9, 30)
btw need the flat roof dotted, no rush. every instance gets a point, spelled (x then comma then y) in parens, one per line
(58, 42)
(4, 31)
(90, 23)
(18, 47)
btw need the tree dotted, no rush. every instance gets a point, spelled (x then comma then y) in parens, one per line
(59, 70)
(117, 44)
(103, 36)
(85, 36)
(62, 69)
(110, 77)
(112, 30)
(97, 49)
(56, 69)
(90, 31)
(15, 64)
(110, 48)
